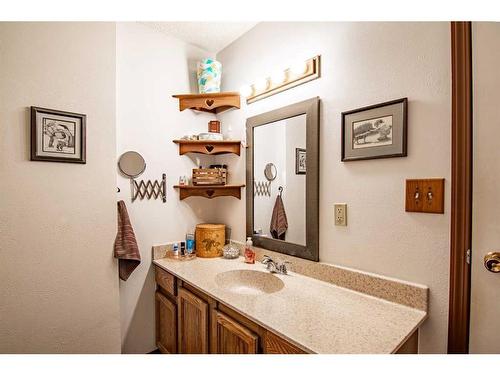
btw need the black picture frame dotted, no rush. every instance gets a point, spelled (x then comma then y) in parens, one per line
(395, 109)
(298, 153)
(70, 145)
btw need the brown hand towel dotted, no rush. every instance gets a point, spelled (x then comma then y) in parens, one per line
(279, 223)
(126, 249)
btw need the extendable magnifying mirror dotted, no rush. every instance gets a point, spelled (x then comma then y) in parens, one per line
(270, 171)
(131, 164)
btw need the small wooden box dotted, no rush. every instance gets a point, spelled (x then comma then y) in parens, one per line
(209, 176)
(210, 238)
(214, 126)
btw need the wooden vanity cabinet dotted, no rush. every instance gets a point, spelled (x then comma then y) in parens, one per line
(190, 322)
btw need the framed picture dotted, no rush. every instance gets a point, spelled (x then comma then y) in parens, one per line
(374, 132)
(300, 161)
(57, 136)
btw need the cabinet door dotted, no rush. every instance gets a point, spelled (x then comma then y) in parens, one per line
(166, 324)
(192, 322)
(276, 345)
(230, 337)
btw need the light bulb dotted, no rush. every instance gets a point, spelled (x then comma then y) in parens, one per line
(245, 91)
(261, 84)
(298, 68)
(278, 77)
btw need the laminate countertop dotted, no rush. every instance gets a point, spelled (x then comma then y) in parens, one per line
(317, 316)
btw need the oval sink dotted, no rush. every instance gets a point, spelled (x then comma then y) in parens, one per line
(249, 282)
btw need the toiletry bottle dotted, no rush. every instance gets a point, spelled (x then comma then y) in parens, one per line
(175, 249)
(249, 253)
(183, 248)
(189, 243)
(229, 134)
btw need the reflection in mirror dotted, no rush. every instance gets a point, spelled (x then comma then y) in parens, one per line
(281, 215)
(270, 171)
(131, 164)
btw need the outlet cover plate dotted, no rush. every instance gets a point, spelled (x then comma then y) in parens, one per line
(340, 214)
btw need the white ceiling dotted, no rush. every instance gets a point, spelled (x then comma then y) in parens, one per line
(211, 36)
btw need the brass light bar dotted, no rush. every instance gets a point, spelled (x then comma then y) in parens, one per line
(291, 79)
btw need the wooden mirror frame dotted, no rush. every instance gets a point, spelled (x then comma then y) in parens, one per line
(310, 108)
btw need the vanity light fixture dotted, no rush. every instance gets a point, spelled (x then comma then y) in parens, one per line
(246, 91)
(261, 84)
(298, 68)
(300, 72)
(278, 77)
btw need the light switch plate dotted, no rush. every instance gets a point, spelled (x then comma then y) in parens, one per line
(425, 195)
(340, 214)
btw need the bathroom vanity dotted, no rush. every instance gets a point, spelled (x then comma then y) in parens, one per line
(227, 306)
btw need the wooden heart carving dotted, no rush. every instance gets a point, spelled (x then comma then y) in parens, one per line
(210, 192)
(209, 148)
(209, 102)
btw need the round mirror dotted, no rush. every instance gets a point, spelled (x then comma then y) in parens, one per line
(131, 164)
(270, 171)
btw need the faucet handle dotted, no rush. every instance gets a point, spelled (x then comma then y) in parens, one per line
(282, 267)
(266, 259)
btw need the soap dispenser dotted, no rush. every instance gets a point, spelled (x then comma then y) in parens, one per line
(249, 253)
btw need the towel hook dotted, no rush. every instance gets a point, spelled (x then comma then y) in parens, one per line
(280, 189)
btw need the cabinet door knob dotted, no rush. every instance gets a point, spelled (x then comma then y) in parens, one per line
(492, 262)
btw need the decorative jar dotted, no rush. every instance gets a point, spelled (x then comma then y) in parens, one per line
(209, 74)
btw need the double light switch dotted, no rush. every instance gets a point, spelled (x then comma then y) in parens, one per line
(425, 195)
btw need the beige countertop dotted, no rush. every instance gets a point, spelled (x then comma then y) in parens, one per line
(315, 315)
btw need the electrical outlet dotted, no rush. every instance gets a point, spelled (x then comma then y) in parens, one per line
(340, 212)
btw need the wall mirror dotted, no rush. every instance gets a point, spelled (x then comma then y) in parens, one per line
(287, 138)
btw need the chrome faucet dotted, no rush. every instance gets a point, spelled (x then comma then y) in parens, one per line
(274, 267)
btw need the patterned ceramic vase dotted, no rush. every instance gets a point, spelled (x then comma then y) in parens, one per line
(209, 75)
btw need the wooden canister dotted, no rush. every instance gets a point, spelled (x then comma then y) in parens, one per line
(210, 238)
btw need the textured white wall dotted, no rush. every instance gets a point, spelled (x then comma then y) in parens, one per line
(151, 67)
(363, 64)
(58, 279)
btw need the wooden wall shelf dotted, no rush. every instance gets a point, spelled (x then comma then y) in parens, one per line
(209, 192)
(208, 147)
(213, 103)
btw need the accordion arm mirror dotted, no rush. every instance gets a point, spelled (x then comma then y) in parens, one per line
(131, 164)
(270, 171)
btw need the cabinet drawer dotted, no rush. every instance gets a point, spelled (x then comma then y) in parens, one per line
(165, 280)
